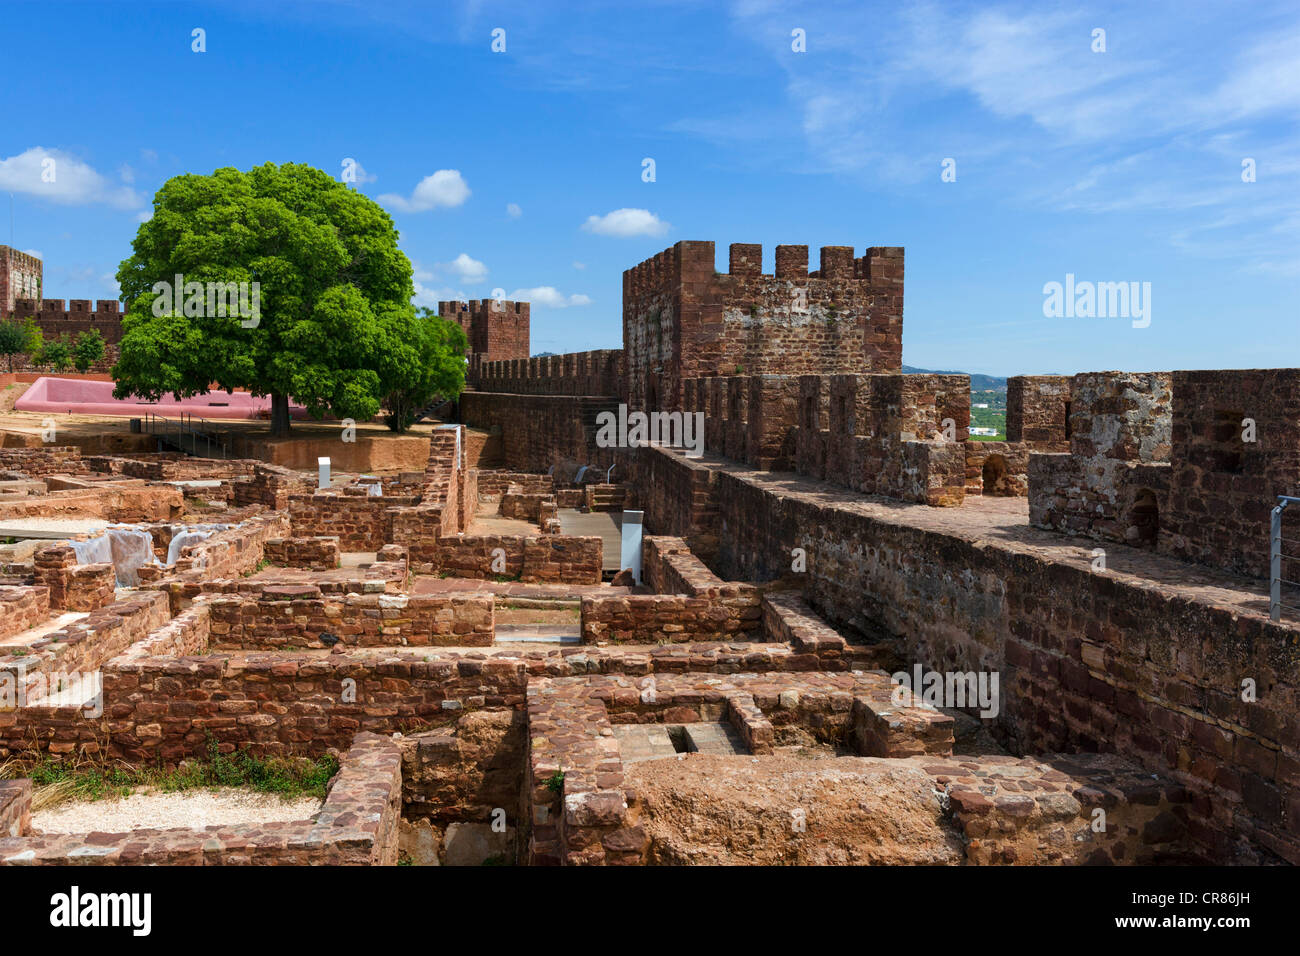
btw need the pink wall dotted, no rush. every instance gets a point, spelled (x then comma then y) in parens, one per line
(85, 397)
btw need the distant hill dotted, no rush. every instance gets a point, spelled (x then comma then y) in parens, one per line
(979, 382)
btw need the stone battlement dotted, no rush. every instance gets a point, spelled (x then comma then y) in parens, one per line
(683, 319)
(598, 372)
(496, 329)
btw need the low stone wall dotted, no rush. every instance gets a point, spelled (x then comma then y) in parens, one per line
(314, 554)
(230, 553)
(171, 466)
(557, 558)
(72, 586)
(271, 485)
(113, 501)
(789, 619)
(71, 653)
(278, 704)
(22, 608)
(655, 618)
(492, 482)
(300, 616)
(50, 460)
(361, 522)
(421, 529)
(356, 826)
(524, 506)
(670, 567)
(387, 575)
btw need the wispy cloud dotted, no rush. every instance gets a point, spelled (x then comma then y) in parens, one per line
(1159, 123)
(549, 296)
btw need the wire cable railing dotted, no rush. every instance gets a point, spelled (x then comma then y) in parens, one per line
(1278, 553)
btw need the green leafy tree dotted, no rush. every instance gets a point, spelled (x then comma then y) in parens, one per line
(13, 339)
(20, 338)
(34, 339)
(334, 287)
(435, 348)
(56, 354)
(87, 349)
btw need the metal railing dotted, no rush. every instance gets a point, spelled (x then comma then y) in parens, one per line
(1276, 553)
(187, 434)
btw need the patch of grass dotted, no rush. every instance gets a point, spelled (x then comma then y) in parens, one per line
(58, 781)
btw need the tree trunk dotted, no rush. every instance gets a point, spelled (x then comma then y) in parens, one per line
(279, 416)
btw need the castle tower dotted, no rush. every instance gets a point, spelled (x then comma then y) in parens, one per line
(496, 329)
(20, 278)
(683, 319)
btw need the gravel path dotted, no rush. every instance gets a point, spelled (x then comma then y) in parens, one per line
(156, 809)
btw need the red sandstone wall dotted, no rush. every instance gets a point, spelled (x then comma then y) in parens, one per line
(357, 826)
(536, 558)
(1088, 661)
(540, 430)
(20, 278)
(682, 319)
(56, 318)
(294, 616)
(360, 522)
(496, 330)
(598, 372)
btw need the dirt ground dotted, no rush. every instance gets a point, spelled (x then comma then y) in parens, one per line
(110, 434)
(155, 809)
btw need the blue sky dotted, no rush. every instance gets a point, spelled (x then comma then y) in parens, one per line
(522, 170)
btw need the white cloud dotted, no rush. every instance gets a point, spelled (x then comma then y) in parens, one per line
(465, 268)
(71, 181)
(513, 210)
(549, 296)
(579, 265)
(625, 223)
(144, 215)
(446, 187)
(429, 298)
(35, 253)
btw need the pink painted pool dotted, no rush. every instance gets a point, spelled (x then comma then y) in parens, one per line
(78, 396)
